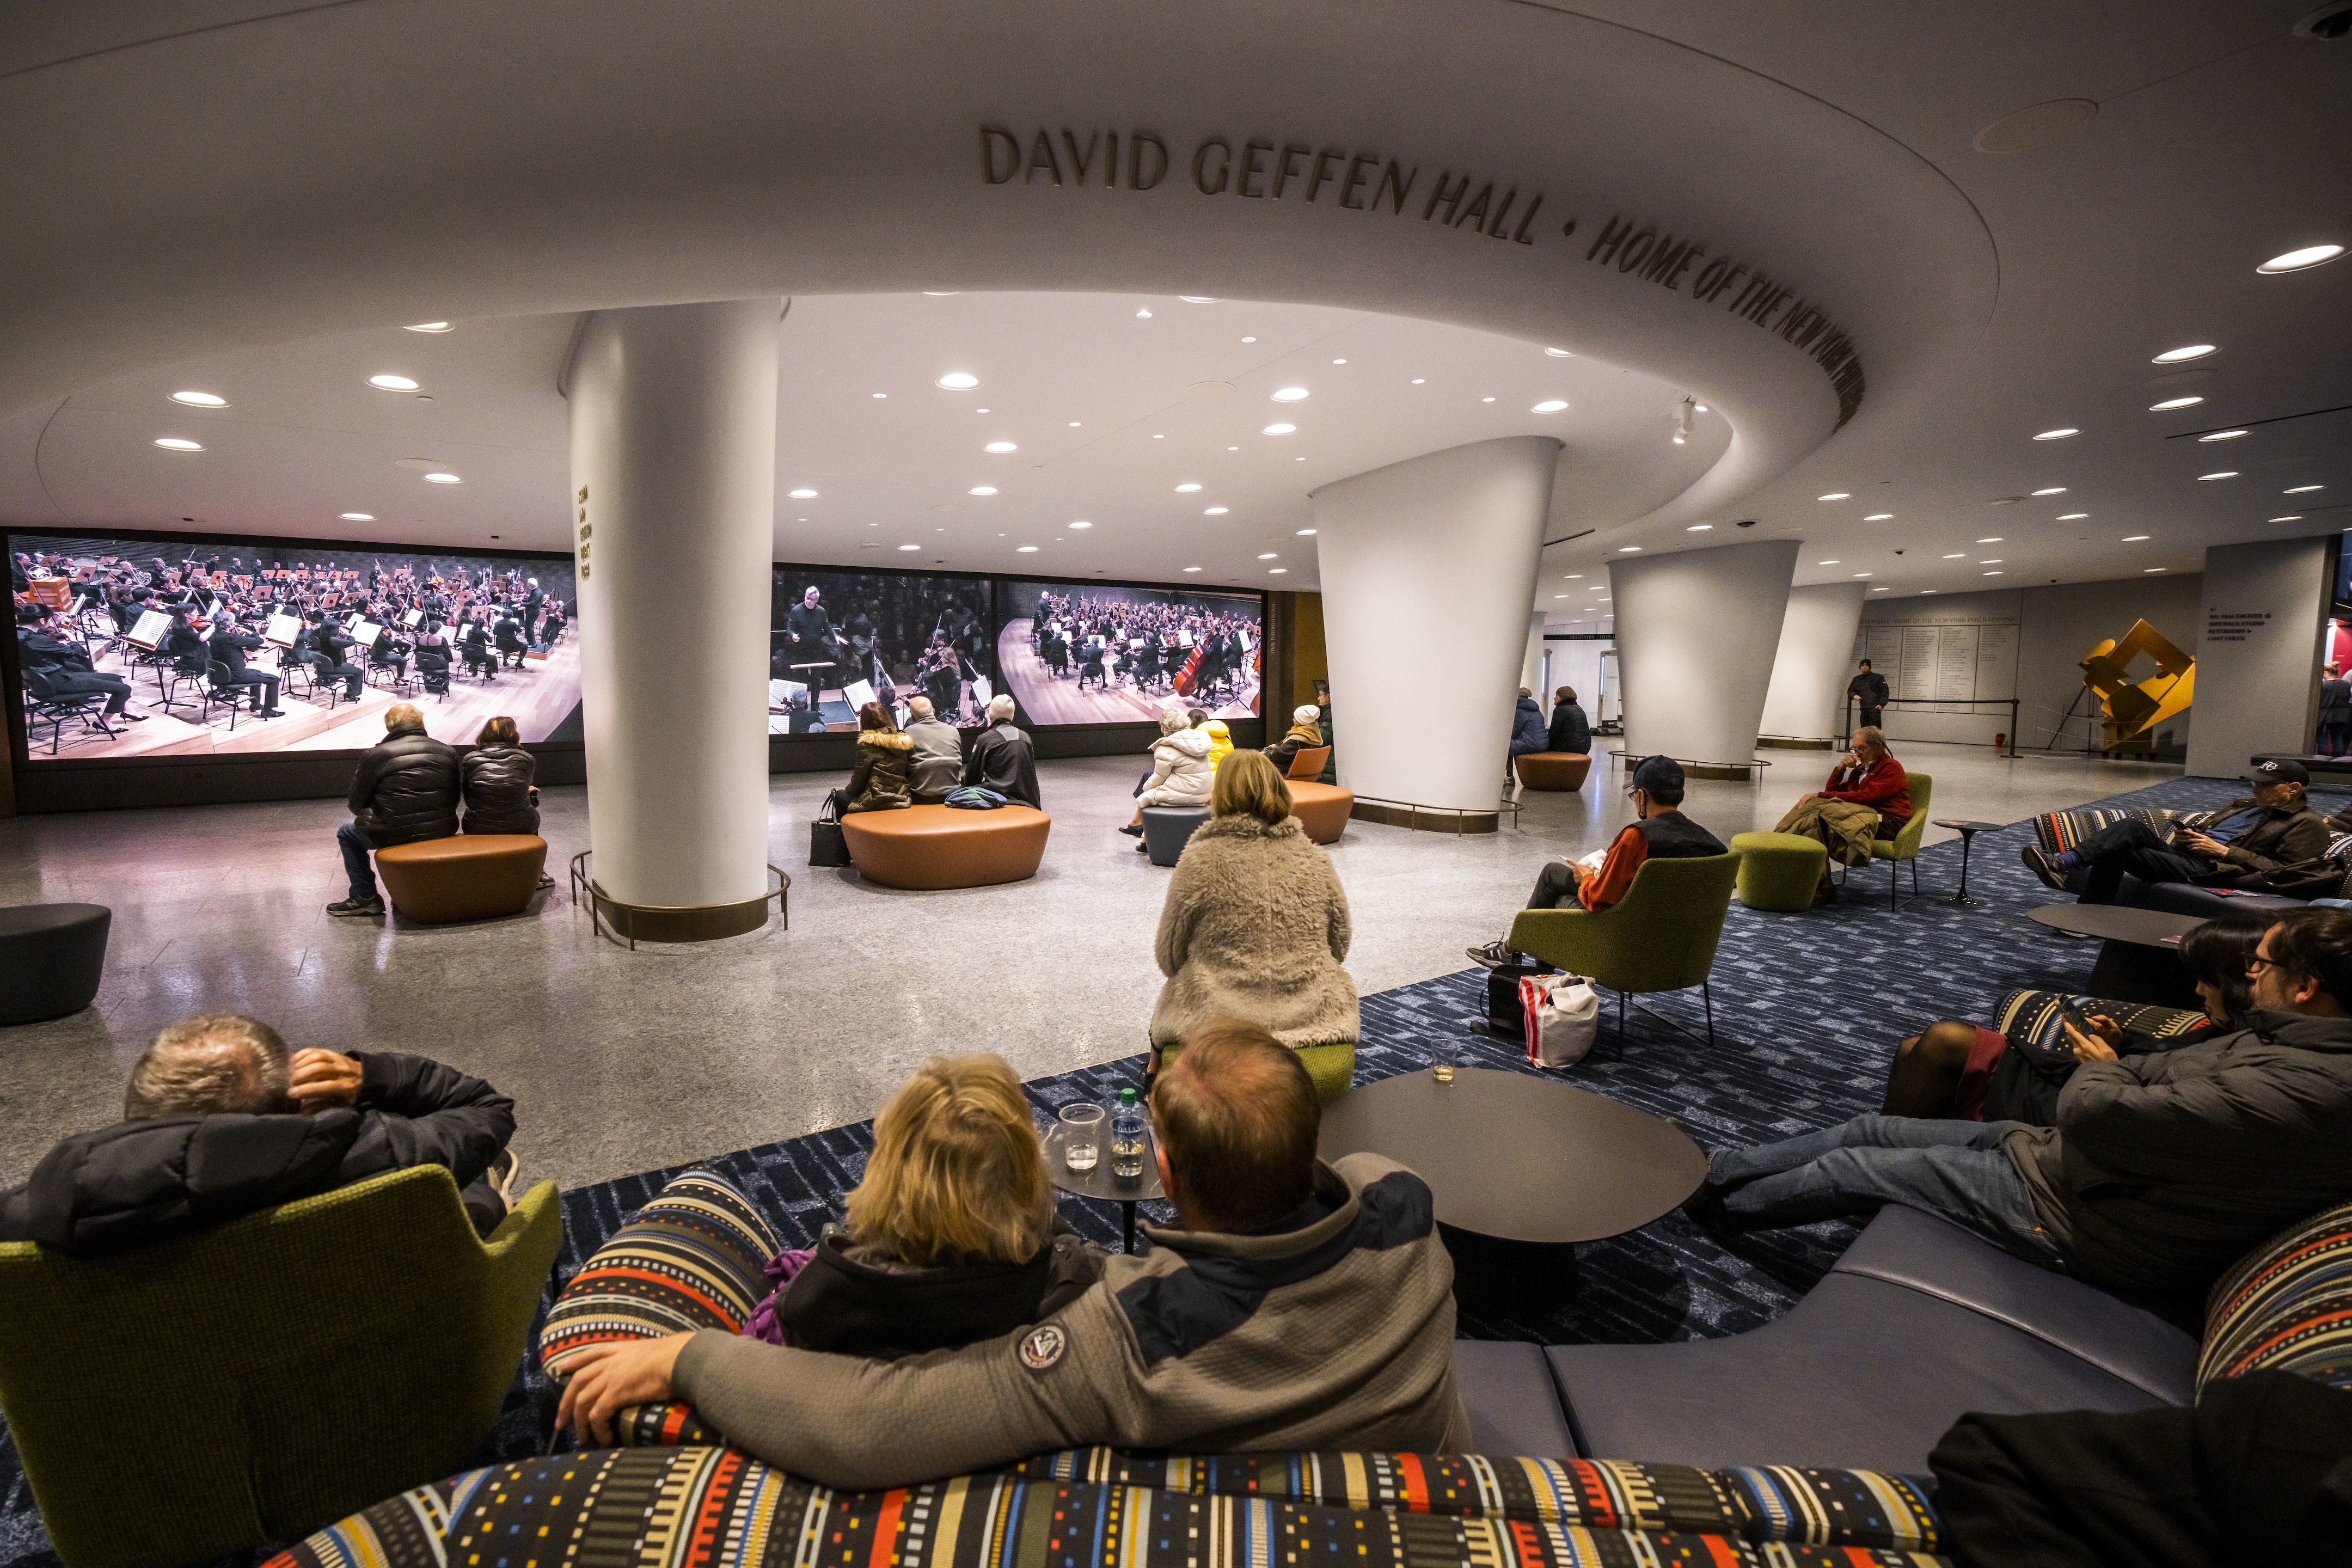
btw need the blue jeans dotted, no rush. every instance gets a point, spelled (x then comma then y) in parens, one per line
(1955, 1170)
(355, 845)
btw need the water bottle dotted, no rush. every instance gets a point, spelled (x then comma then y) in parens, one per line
(1126, 1139)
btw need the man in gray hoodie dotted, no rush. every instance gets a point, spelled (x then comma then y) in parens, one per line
(936, 766)
(1297, 1305)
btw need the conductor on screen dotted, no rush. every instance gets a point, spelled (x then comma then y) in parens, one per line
(809, 636)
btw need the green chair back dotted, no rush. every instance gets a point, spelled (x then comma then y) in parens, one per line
(250, 1382)
(1661, 937)
(1905, 845)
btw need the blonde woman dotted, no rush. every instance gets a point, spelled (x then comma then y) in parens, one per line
(1255, 927)
(952, 1235)
(1180, 773)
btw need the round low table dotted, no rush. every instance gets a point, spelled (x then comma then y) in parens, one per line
(1968, 830)
(1522, 1168)
(1102, 1184)
(2139, 951)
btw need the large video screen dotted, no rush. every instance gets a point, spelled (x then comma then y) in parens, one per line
(166, 647)
(1088, 653)
(840, 639)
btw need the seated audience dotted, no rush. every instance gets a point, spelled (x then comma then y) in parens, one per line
(1867, 797)
(403, 791)
(1221, 739)
(1571, 732)
(2273, 828)
(1002, 757)
(1305, 734)
(935, 767)
(878, 781)
(952, 1237)
(1528, 730)
(1296, 1305)
(219, 1121)
(1954, 1069)
(1181, 775)
(499, 795)
(2161, 1169)
(1256, 924)
(1659, 831)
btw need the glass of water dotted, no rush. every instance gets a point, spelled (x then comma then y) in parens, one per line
(1445, 1052)
(1082, 1126)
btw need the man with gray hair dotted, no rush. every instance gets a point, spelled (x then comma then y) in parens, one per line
(1867, 797)
(936, 765)
(403, 791)
(220, 1120)
(1002, 757)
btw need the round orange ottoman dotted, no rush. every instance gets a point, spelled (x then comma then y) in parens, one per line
(472, 876)
(1552, 770)
(1322, 809)
(928, 846)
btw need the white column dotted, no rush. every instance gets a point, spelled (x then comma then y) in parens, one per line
(1695, 635)
(1428, 569)
(673, 499)
(1816, 659)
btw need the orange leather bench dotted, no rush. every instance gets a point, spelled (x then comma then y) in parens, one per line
(472, 876)
(1552, 770)
(1322, 809)
(928, 846)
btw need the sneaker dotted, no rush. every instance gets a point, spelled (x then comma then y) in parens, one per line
(2041, 865)
(1495, 955)
(501, 1177)
(356, 907)
(545, 880)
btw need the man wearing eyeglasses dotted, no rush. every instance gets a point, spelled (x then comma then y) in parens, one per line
(2162, 1170)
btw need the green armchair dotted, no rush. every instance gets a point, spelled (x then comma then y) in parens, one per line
(1905, 845)
(1661, 936)
(250, 1382)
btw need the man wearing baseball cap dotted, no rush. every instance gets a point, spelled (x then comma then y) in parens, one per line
(2271, 828)
(1659, 832)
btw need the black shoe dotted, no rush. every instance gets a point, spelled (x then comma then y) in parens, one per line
(134, 718)
(356, 907)
(2039, 864)
(1495, 955)
(1141, 847)
(1132, 829)
(1704, 1208)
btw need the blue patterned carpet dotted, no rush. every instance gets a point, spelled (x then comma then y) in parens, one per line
(1808, 1008)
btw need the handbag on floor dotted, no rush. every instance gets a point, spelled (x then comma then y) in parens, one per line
(1505, 1016)
(827, 845)
(1562, 1015)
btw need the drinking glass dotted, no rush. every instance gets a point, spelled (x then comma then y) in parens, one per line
(1444, 1053)
(1082, 1126)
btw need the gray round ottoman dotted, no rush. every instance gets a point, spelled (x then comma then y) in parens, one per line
(51, 958)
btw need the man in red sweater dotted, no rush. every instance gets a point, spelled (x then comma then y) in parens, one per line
(1868, 796)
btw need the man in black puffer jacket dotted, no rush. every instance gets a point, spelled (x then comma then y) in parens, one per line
(220, 1120)
(406, 790)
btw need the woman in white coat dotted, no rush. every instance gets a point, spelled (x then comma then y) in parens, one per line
(1181, 774)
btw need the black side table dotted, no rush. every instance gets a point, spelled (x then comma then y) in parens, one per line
(1968, 831)
(1100, 1184)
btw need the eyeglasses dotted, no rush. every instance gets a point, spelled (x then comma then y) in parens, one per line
(2259, 961)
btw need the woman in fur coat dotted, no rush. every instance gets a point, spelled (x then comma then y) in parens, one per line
(1255, 927)
(878, 783)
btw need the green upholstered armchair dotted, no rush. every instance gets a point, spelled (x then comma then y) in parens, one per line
(1905, 845)
(249, 1382)
(1661, 937)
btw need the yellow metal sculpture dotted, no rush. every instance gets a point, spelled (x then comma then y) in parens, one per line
(2134, 709)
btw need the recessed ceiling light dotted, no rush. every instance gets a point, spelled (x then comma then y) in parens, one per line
(1192, 568)
(1880, 517)
(1698, 407)
(1861, 574)
(2052, 491)
(981, 490)
(2174, 356)
(886, 395)
(1926, 590)
(1278, 429)
(958, 381)
(2224, 474)
(2073, 516)
(200, 399)
(1025, 550)
(359, 517)
(941, 293)
(1992, 573)
(2151, 568)
(1836, 495)
(1485, 400)
(1305, 532)
(1882, 590)
(2135, 539)
(1268, 555)
(2296, 260)
(1832, 560)
(1186, 490)
(802, 494)
(1275, 571)
(442, 479)
(1629, 549)
(1338, 361)
(1143, 315)
(1289, 394)
(1698, 528)
(2221, 436)
(1559, 595)
(1956, 555)
(2058, 435)
(999, 446)
(1074, 424)
(1572, 576)
(910, 547)
(1550, 406)
(2301, 489)
(1991, 560)
(2170, 404)
(430, 327)
(1559, 354)
(1992, 539)
(392, 384)
(1246, 341)
(1420, 380)
(1082, 522)
(1160, 437)
(1198, 298)
(1214, 510)
(2292, 517)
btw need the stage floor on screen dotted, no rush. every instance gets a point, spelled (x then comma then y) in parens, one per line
(1048, 699)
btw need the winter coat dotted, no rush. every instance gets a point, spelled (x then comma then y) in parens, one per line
(1181, 774)
(1571, 732)
(498, 789)
(1002, 760)
(1254, 927)
(138, 1183)
(1528, 730)
(1882, 786)
(1221, 741)
(936, 765)
(1283, 753)
(1868, 689)
(406, 790)
(878, 782)
(853, 1299)
(2165, 1169)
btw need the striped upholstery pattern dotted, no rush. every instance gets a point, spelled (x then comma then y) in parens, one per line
(692, 1258)
(719, 1508)
(2033, 1016)
(2059, 831)
(2287, 1307)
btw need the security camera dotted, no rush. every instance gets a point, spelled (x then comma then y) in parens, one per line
(1745, 522)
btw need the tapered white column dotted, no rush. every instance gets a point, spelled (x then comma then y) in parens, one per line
(1807, 697)
(1428, 569)
(674, 499)
(1696, 631)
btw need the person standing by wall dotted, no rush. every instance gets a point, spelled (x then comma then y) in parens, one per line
(2335, 712)
(1869, 688)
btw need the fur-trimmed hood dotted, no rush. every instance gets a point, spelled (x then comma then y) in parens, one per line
(887, 739)
(1184, 742)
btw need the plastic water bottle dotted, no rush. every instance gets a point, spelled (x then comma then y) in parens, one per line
(1127, 1139)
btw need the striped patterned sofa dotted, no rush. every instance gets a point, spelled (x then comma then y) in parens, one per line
(2058, 831)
